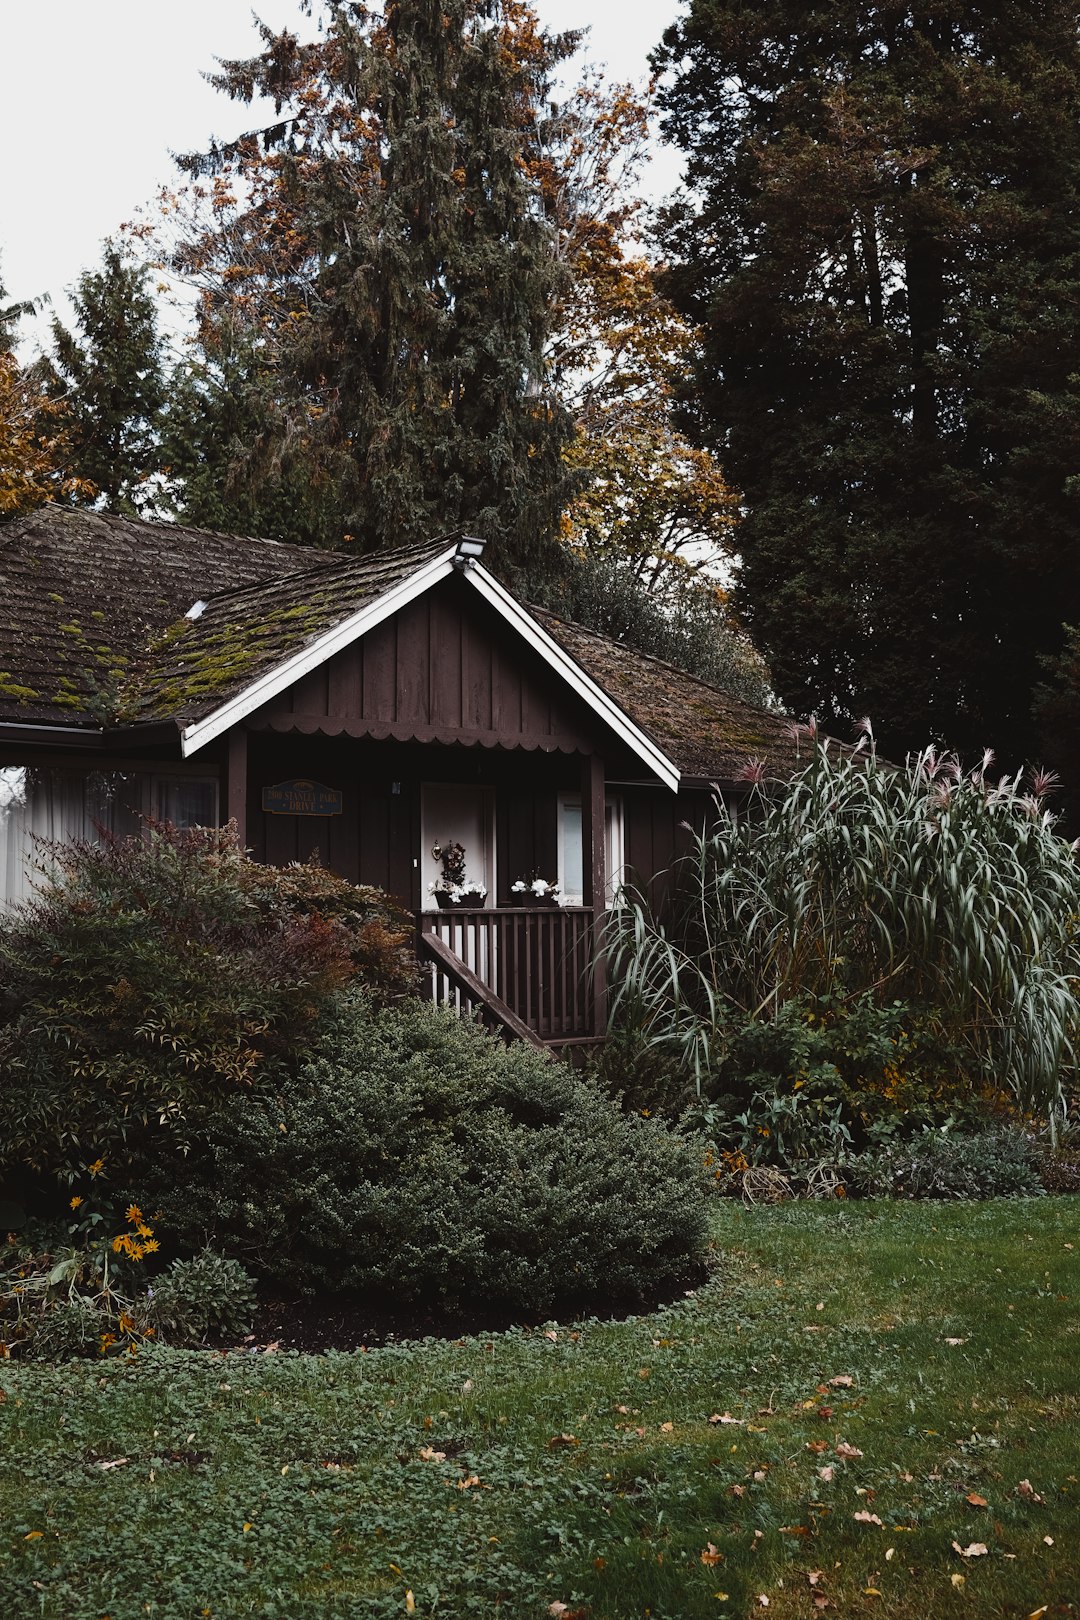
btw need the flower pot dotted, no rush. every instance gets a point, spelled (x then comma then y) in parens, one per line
(443, 900)
(470, 902)
(541, 901)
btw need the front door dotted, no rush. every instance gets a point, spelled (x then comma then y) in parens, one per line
(453, 812)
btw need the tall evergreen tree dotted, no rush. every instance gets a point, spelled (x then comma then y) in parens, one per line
(881, 239)
(385, 257)
(109, 372)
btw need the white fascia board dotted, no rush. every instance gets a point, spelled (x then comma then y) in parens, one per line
(575, 677)
(292, 669)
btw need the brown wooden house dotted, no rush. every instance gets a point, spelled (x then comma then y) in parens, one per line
(369, 709)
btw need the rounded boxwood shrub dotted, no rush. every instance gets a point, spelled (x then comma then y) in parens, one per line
(415, 1156)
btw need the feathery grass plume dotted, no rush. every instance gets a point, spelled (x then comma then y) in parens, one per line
(920, 883)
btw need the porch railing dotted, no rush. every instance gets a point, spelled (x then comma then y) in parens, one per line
(537, 961)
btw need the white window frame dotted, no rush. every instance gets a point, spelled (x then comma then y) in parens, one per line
(614, 847)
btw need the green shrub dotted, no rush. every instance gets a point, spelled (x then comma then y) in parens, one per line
(414, 1156)
(827, 1077)
(149, 976)
(855, 879)
(208, 1296)
(945, 1164)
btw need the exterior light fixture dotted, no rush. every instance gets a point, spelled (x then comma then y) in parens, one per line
(469, 551)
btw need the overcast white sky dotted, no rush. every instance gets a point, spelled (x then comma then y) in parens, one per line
(97, 93)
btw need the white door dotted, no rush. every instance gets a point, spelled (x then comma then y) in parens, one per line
(455, 813)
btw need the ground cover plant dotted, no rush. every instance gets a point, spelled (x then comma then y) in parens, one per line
(861, 1401)
(862, 949)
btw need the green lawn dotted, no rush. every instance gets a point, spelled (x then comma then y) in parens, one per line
(579, 1466)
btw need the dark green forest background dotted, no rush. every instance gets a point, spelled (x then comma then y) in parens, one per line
(841, 363)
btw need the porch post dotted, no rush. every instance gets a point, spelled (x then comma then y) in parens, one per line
(595, 862)
(236, 781)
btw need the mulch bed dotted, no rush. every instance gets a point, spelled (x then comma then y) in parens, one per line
(318, 1323)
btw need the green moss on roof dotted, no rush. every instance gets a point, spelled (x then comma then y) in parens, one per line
(11, 689)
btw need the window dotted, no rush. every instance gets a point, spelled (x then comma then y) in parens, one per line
(186, 801)
(572, 849)
(41, 805)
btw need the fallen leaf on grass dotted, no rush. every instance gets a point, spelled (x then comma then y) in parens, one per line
(763, 1600)
(815, 1576)
(115, 1462)
(973, 1499)
(890, 1554)
(429, 1454)
(825, 1412)
(565, 1440)
(794, 1530)
(725, 1417)
(1028, 1491)
(711, 1556)
(554, 1337)
(817, 1445)
(842, 1449)
(1037, 1614)
(826, 1474)
(468, 1482)
(410, 1603)
(842, 1381)
(955, 1342)
(667, 1428)
(1049, 1540)
(974, 1549)
(958, 1580)
(863, 1517)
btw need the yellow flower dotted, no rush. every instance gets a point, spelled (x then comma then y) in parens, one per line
(134, 1213)
(75, 1202)
(119, 1243)
(144, 1231)
(151, 1246)
(97, 1167)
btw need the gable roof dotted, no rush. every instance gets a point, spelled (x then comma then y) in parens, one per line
(94, 634)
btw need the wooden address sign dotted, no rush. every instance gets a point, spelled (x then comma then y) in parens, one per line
(301, 798)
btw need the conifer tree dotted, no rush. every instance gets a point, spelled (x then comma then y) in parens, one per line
(880, 237)
(109, 373)
(384, 256)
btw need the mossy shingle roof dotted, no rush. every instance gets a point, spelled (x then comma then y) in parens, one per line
(93, 633)
(708, 734)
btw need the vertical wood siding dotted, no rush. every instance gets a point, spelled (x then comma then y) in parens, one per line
(445, 664)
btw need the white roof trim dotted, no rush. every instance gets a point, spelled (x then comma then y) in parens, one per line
(201, 732)
(564, 664)
(292, 669)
